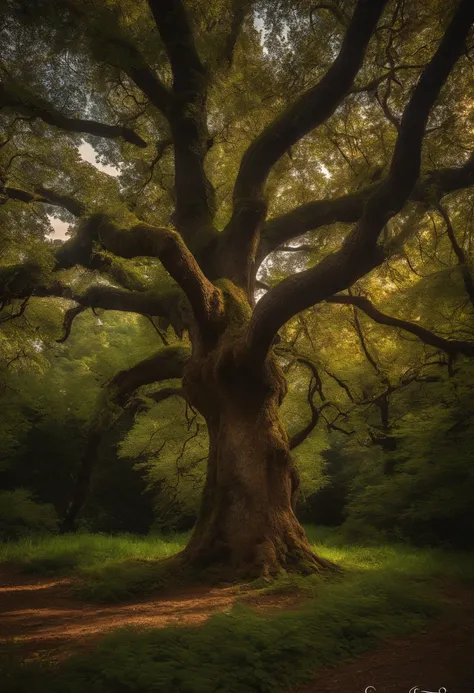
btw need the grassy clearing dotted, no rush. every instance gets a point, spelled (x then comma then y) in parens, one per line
(61, 554)
(103, 568)
(399, 559)
(116, 568)
(384, 591)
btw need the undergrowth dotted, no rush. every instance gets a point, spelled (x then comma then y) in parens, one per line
(383, 591)
(240, 652)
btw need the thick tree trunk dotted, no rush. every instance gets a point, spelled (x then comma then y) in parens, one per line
(247, 527)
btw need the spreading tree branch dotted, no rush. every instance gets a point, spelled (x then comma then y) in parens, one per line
(359, 253)
(168, 363)
(22, 281)
(310, 110)
(195, 195)
(197, 294)
(460, 254)
(451, 347)
(240, 9)
(171, 306)
(69, 318)
(142, 240)
(29, 104)
(349, 208)
(169, 247)
(45, 196)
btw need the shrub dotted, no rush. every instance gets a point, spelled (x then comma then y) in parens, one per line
(21, 516)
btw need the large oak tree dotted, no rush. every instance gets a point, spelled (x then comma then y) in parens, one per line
(220, 132)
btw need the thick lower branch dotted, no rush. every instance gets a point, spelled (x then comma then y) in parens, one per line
(168, 246)
(168, 363)
(142, 240)
(22, 281)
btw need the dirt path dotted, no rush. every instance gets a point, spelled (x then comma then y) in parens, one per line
(42, 618)
(440, 657)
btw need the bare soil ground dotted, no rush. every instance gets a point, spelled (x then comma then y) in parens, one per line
(42, 618)
(439, 659)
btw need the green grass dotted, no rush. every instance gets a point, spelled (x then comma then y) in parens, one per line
(400, 559)
(384, 591)
(103, 568)
(53, 554)
(116, 568)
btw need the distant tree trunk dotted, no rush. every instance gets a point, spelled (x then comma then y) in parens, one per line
(82, 483)
(246, 526)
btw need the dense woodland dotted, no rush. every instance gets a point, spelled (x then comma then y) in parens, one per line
(267, 312)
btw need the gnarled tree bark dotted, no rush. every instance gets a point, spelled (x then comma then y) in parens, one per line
(247, 527)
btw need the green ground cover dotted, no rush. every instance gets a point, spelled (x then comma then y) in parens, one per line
(382, 591)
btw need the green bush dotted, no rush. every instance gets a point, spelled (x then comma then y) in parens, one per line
(426, 500)
(21, 516)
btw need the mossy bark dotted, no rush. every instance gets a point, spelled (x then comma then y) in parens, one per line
(246, 527)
